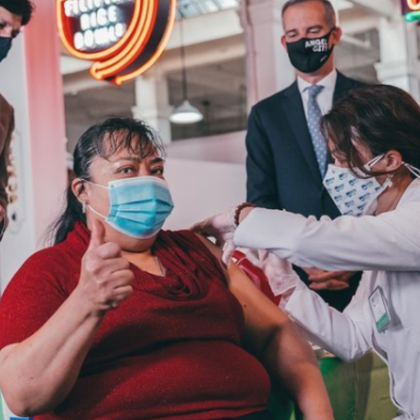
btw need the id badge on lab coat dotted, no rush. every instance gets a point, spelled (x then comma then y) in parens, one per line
(380, 309)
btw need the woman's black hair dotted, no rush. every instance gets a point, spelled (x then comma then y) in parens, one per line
(379, 118)
(23, 8)
(103, 140)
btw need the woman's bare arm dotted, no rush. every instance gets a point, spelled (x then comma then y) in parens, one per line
(45, 367)
(280, 345)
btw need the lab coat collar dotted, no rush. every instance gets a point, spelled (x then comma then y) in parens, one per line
(412, 193)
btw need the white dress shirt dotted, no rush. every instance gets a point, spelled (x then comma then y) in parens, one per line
(387, 247)
(324, 98)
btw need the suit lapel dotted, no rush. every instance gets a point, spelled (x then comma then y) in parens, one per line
(342, 85)
(293, 109)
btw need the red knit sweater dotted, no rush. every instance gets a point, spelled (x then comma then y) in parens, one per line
(171, 351)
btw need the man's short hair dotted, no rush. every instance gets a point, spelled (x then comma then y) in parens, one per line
(24, 8)
(330, 15)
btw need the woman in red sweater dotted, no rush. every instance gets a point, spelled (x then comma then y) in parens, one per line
(120, 320)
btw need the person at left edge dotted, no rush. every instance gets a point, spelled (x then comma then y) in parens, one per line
(13, 15)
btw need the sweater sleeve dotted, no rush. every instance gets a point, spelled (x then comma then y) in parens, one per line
(31, 298)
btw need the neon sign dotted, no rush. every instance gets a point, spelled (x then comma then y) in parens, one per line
(413, 4)
(411, 10)
(123, 38)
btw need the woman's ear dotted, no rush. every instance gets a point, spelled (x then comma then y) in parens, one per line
(79, 190)
(393, 161)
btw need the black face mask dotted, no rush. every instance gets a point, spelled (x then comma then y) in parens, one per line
(5, 45)
(309, 54)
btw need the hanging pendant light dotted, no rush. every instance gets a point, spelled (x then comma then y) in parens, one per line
(185, 113)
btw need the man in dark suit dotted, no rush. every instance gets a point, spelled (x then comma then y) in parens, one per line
(13, 15)
(287, 155)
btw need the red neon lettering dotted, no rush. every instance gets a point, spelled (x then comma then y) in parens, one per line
(413, 4)
(123, 38)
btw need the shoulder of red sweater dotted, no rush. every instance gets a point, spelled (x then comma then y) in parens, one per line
(51, 258)
(183, 235)
(53, 268)
(193, 239)
(182, 232)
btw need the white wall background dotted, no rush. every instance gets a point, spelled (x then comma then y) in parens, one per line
(206, 176)
(228, 148)
(200, 189)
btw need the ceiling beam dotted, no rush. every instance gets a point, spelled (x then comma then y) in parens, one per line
(384, 8)
(213, 80)
(78, 82)
(197, 56)
(358, 24)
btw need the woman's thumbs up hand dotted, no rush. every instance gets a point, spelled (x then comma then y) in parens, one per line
(106, 279)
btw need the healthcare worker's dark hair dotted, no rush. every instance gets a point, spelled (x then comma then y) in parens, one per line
(330, 15)
(24, 8)
(380, 118)
(103, 140)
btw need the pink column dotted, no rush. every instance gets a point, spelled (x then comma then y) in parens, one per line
(268, 66)
(46, 113)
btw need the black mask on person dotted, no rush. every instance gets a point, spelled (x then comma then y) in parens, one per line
(5, 45)
(309, 54)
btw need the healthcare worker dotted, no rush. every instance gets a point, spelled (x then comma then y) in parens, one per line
(374, 136)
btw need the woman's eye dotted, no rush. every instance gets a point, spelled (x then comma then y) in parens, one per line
(157, 171)
(126, 170)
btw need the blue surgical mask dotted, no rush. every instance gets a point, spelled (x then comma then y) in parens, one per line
(5, 45)
(138, 206)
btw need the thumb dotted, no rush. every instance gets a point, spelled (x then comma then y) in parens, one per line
(98, 235)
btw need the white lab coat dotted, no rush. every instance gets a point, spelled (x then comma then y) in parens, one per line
(387, 249)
